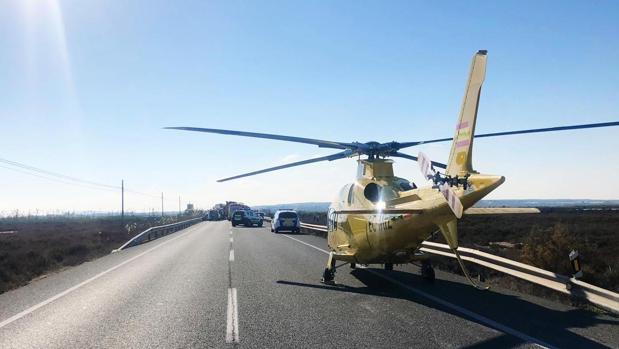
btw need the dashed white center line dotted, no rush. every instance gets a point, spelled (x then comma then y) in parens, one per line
(232, 333)
(232, 327)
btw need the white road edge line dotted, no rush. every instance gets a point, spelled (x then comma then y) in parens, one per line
(71, 289)
(231, 240)
(306, 244)
(232, 327)
(231, 256)
(482, 319)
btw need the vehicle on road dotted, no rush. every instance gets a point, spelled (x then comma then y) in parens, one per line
(247, 218)
(231, 207)
(286, 220)
(211, 215)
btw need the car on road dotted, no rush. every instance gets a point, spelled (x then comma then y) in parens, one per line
(286, 220)
(247, 218)
(211, 215)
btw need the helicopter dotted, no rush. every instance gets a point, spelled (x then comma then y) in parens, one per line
(383, 219)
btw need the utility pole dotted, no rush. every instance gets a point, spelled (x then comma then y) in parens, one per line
(179, 205)
(161, 204)
(122, 202)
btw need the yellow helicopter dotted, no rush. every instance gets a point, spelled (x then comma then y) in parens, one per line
(383, 219)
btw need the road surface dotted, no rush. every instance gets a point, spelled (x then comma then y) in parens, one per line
(212, 285)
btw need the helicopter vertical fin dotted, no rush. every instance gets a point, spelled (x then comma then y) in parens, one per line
(460, 158)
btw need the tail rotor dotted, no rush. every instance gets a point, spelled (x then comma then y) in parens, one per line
(443, 183)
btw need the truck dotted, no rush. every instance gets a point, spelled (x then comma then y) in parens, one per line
(232, 206)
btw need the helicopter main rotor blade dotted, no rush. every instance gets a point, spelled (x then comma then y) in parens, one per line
(318, 142)
(509, 133)
(332, 157)
(414, 158)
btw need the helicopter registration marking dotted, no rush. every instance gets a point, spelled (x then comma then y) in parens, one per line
(379, 226)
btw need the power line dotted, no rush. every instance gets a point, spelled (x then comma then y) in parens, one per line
(65, 179)
(57, 175)
(56, 179)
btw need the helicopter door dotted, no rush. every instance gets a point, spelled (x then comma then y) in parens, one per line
(331, 220)
(359, 233)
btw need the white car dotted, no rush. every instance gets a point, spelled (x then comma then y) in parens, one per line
(286, 220)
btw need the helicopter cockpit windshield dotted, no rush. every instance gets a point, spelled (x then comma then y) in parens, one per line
(403, 184)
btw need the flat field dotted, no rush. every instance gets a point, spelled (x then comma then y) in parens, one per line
(31, 247)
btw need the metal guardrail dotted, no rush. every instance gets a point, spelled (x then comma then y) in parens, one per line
(603, 298)
(322, 228)
(154, 233)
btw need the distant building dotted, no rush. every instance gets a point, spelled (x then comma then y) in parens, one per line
(190, 210)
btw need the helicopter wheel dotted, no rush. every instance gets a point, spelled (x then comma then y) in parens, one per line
(388, 266)
(427, 272)
(328, 277)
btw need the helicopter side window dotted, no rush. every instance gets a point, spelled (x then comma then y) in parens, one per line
(332, 219)
(350, 194)
(407, 186)
(404, 185)
(344, 193)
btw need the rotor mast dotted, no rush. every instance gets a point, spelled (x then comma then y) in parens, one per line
(374, 168)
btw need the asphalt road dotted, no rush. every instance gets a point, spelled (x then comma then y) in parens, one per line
(216, 286)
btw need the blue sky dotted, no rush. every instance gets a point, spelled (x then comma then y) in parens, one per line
(87, 87)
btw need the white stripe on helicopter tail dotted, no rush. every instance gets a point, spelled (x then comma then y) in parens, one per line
(424, 164)
(452, 199)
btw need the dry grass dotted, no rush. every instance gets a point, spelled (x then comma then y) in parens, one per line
(43, 244)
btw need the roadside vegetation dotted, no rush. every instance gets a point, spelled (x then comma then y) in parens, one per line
(33, 246)
(545, 240)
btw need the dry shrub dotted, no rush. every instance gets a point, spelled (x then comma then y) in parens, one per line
(549, 248)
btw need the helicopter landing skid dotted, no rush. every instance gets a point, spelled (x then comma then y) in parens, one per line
(328, 276)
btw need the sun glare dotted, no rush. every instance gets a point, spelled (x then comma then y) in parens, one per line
(44, 22)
